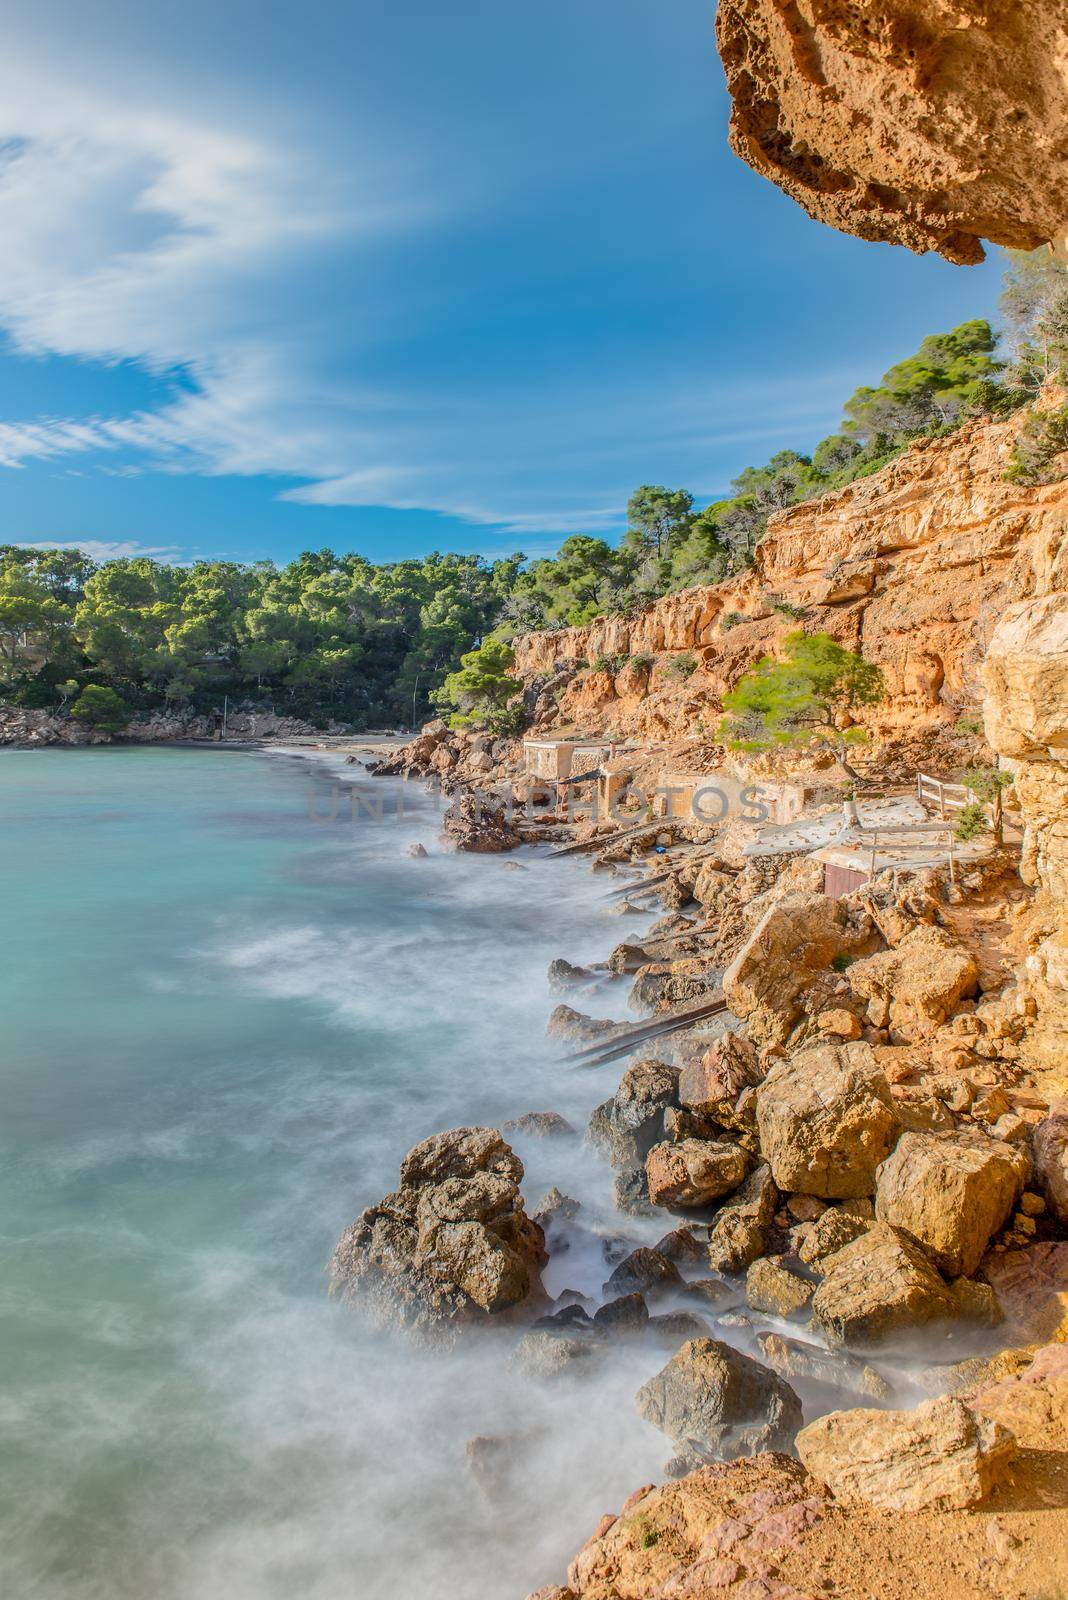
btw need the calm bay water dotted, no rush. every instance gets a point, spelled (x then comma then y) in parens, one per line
(223, 1025)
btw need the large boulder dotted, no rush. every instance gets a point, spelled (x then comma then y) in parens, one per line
(715, 1404)
(878, 1290)
(826, 1120)
(694, 1172)
(918, 984)
(452, 1246)
(794, 943)
(1050, 1144)
(940, 1457)
(739, 1233)
(478, 825)
(952, 1194)
(713, 1084)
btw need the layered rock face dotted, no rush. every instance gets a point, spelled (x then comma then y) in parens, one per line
(1026, 717)
(914, 566)
(928, 123)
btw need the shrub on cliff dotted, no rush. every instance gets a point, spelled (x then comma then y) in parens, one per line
(1038, 455)
(802, 699)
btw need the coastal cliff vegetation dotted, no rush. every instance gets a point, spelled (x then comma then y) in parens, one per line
(332, 636)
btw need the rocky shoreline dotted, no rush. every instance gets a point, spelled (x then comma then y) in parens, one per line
(857, 1179)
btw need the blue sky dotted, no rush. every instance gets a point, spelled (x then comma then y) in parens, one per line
(392, 276)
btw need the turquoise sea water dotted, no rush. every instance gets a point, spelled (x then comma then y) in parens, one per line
(224, 1023)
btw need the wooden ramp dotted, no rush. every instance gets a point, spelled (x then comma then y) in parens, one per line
(602, 841)
(631, 1039)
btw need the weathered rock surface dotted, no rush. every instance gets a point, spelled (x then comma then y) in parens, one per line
(627, 1127)
(452, 1246)
(694, 1172)
(644, 1271)
(837, 1227)
(826, 1120)
(900, 120)
(795, 940)
(878, 1290)
(940, 1457)
(739, 1234)
(715, 1403)
(478, 825)
(1050, 1145)
(1033, 1405)
(713, 1083)
(1026, 715)
(771, 1286)
(951, 1194)
(917, 985)
(1032, 1289)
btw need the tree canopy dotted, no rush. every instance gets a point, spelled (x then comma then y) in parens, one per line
(806, 697)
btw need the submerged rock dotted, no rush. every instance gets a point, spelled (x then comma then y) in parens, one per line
(940, 1457)
(540, 1125)
(715, 1404)
(452, 1246)
(644, 1271)
(794, 1359)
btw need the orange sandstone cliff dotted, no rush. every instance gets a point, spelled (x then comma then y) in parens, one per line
(929, 123)
(914, 566)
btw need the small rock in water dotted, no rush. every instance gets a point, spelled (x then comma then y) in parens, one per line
(539, 1125)
(673, 1328)
(556, 1207)
(682, 1244)
(791, 1358)
(715, 1404)
(419, 851)
(543, 1355)
(645, 1271)
(709, 1292)
(562, 975)
(627, 1314)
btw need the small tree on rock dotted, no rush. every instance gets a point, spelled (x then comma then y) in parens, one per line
(804, 699)
(100, 708)
(477, 695)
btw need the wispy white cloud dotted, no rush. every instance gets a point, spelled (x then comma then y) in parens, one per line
(159, 231)
(107, 549)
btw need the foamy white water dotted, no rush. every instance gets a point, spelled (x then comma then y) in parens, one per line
(225, 1023)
